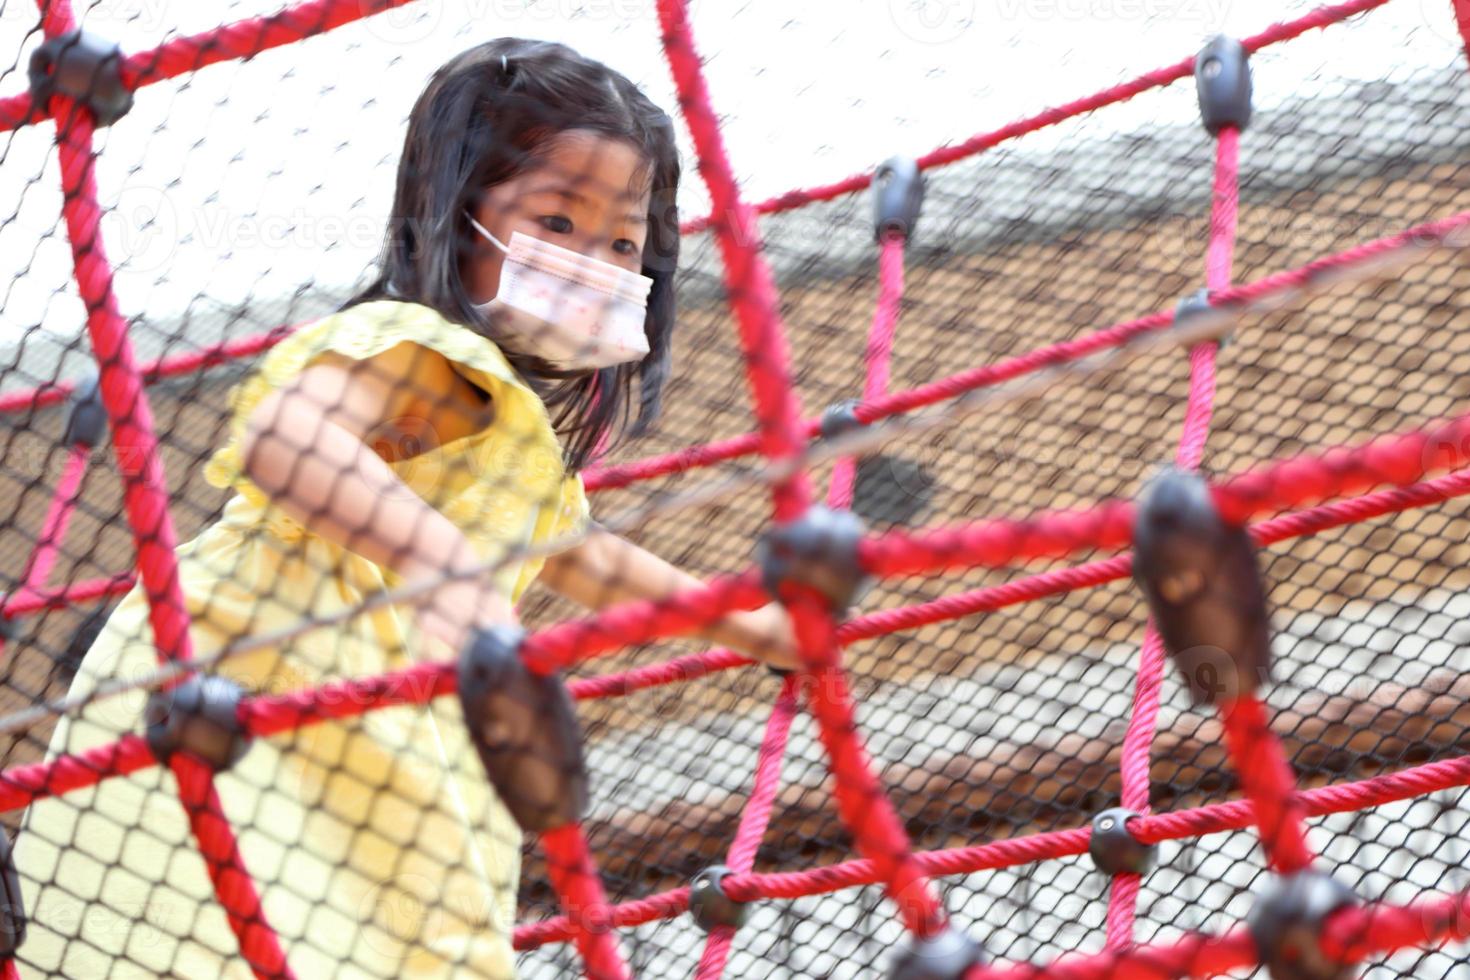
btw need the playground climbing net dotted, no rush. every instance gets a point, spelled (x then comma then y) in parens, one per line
(1050, 732)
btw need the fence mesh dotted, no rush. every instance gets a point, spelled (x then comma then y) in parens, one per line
(359, 836)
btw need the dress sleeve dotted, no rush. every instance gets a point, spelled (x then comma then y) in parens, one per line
(359, 333)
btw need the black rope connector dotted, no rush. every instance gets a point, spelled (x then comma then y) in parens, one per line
(948, 955)
(12, 903)
(817, 550)
(1286, 924)
(86, 421)
(198, 716)
(9, 629)
(84, 67)
(839, 419)
(1222, 78)
(1204, 588)
(525, 730)
(708, 903)
(898, 196)
(1194, 305)
(1113, 847)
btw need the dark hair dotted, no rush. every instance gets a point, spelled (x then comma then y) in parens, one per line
(481, 121)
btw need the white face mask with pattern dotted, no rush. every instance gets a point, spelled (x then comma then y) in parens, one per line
(568, 309)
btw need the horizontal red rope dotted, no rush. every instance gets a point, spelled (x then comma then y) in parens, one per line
(26, 601)
(19, 784)
(1396, 460)
(210, 356)
(1158, 78)
(544, 651)
(229, 42)
(1213, 819)
(973, 379)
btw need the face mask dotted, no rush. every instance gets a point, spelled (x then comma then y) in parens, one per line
(568, 309)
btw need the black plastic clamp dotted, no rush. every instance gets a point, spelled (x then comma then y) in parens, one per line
(86, 421)
(708, 903)
(839, 419)
(12, 903)
(1222, 78)
(818, 550)
(1113, 847)
(898, 187)
(525, 730)
(1204, 588)
(1286, 924)
(1196, 304)
(200, 716)
(948, 955)
(84, 67)
(9, 629)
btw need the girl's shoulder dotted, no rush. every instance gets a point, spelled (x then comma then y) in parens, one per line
(368, 329)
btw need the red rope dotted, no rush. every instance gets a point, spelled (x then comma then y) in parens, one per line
(53, 527)
(1138, 741)
(1265, 776)
(748, 280)
(25, 601)
(991, 374)
(145, 491)
(242, 39)
(1462, 21)
(569, 866)
(232, 883)
(1213, 819)
(1158, 78)
(1398, 460)
(754, 819)
(865, 808)
(265, 715)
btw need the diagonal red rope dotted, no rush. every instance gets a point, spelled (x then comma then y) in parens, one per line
(754, 819)
(573, 875)
(748, 279)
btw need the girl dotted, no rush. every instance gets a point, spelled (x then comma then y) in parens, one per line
(436, 422)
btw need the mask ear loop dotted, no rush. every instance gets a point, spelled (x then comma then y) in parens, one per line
(486, 233)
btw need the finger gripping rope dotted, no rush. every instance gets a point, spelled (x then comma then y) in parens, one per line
(199, 716)
(708, 903)
(1203, 587)
(1222, 79)
(1286, 922)
(947, 955)
(84, 67)
(86, 421)
(525, 730)
(1113, 847)
(899, 187)
(817, 550)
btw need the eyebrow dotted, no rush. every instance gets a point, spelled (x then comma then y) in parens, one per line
(568, 194)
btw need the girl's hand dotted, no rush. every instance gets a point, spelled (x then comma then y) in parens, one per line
(764, 634)
(452, 611)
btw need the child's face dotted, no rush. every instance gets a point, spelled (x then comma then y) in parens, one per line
(583, 197)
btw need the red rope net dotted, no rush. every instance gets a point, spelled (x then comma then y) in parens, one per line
(1301, 494)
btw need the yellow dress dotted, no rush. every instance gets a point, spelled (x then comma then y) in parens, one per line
(378, 848)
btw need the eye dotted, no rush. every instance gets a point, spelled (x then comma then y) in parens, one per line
(558, 223)
(626, 246)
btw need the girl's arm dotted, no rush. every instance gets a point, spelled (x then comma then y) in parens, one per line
(606, 569)
(303, 447)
